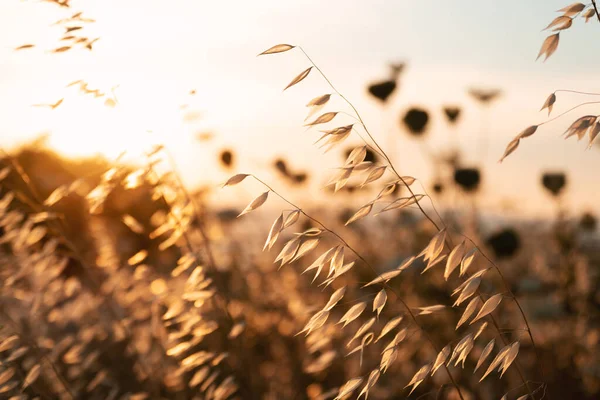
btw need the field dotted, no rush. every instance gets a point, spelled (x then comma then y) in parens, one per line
(346, 276)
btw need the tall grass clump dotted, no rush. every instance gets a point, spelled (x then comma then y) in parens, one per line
(81, 326)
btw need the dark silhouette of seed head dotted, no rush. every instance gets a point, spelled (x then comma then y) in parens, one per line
(382, 90)
(281, 166)
(228, 215)
(416, 121)
(438, 187)
(554, 182)
(588, 222)
(300, 178)
(226, 157)
(452, 113)
(504, 243)
(485, 96)
(467, 178)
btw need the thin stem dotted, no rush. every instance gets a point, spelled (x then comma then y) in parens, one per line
(596, 10)
(577, 92)
(568, 111)
(384, 284)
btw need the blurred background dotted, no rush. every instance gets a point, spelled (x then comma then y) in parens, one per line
(157, 52)
(126, 273)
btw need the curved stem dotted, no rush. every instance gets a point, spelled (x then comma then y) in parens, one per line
(576, 92)
(568, 111)
(384, 284)
(596, 10)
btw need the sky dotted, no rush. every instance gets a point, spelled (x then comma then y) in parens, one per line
(157, 51)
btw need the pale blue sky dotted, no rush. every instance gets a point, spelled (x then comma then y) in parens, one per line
(158, 50)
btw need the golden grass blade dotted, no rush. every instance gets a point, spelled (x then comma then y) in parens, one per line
(467, 261)
(353, 313)
(440, 359)
(379, 301)
(361, 213)
(454, 259)
(279, 48)
(32, 376)
(485, 354)
(299, 78)
(549, 103)
(274, 232)
(348, 388)
(335, 298)
(496, 361)
(549, 46)
(419, 377)
(431, 309)
(468, 291)
(572, 9)
(234, 180)
(319, 100)
(324, 118)
(468, 312)
(488, 307)
(371, 381)
(389, 326)
(257, 202)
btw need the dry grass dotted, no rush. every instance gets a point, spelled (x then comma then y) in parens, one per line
(119, 283)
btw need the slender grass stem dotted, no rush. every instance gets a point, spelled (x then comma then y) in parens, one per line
(596, 10)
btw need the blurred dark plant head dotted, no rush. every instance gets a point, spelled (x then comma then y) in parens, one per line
(467, 178)
(281, 166)
(294, 178)
(382, 90)
(451, 157)
(226, 158)
(371, 156)
(438, 187)
(485, 96)
(396, 69)
(416, 120)
(554, 182)
(505, 243)
(452, 113)
(300, 178)
(588, 222)
(228, 215)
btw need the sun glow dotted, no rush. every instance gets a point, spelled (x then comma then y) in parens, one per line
(83, 125)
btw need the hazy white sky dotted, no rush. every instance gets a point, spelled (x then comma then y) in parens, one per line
(158, 50)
